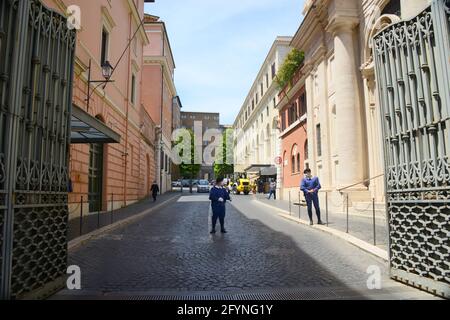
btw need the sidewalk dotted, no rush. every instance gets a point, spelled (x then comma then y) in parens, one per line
(358, 226)
(96, 221)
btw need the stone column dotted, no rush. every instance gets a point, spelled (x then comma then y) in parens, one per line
(348, 105)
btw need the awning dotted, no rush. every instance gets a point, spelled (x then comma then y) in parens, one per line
(262, 169)
(87, 129)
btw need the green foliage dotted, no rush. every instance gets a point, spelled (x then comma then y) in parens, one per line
(224, 158)
(290, 66)
(189, 170)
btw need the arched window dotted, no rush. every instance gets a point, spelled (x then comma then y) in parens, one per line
(294, 153)
(305, 151)
(293, 164)
(298, 162)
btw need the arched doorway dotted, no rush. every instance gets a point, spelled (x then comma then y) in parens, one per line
(95, 175)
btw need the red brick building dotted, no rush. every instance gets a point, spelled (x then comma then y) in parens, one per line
(293, 132)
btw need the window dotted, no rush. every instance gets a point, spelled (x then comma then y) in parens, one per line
(267, 81)
(305, 150)
(292, 116)
(253, 105)
(298, 162)
(283, 120)
(262, 90)
(105, 44)
(274, 71)
(319, 141)
(293, 164)
(257, 98)
(133, 89)
(274, 102)
(267, 110)
(303, 106)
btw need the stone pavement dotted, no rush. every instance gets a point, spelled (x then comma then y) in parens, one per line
(171, 253)
(359, 226)
(96, 221)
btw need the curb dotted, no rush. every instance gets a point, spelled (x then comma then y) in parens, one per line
(80, 241)
(367, 247)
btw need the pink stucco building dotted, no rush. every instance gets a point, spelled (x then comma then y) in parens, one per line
(119, 171)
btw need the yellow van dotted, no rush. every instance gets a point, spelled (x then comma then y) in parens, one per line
(243, 186)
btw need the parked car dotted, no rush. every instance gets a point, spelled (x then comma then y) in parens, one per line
(203, 186)
(176, 184)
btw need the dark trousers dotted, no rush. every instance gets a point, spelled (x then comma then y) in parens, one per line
(274, 193)
(313, 199)
(221, 217)
(154, 196)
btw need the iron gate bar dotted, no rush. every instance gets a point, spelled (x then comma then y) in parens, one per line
(413, 84)
(35, 96)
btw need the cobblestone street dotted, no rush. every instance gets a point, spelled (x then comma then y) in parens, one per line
(170, 252)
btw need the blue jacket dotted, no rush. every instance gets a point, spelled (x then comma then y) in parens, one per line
(310, 184)
(214, 195)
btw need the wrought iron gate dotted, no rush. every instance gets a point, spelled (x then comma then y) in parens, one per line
(36, 70)
(413, 77)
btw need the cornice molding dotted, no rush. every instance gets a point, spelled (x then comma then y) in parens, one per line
(162, 61)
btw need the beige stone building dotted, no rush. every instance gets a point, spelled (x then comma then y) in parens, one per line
(344, 121)
(256, 126)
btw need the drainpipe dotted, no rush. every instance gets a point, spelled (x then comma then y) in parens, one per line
(127, 100)
(161, 159)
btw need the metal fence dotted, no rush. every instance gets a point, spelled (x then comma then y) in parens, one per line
(36, 71)
(413, 78)
(366, 221)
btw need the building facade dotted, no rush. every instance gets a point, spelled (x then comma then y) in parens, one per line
(293, 109)
(110, 175)
(344, 136)
(160, 95)
(205, 121)
(256, 142)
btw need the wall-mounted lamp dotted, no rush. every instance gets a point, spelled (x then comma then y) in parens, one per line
(107, 71)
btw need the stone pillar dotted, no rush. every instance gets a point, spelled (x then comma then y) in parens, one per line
(348, 105)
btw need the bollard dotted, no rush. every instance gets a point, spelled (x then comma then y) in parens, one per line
(374, 226)
(326, 206)
(299, 205)
(290, 211)
(81, 217)
(347, 212)
(112, 208)
(98, 218)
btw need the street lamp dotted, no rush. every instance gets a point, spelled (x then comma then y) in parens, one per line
(107, 71)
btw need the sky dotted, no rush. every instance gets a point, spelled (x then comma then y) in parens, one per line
(219, 47)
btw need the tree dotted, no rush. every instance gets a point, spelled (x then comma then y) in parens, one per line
(291, 64)
(224, 157)
(188, 169)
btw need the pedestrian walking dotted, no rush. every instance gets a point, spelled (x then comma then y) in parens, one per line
(310, 186)
(273, 190)
(218, 196)
(155, 190)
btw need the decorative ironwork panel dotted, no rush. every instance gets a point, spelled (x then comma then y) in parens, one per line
(413, 81)
(37, 49)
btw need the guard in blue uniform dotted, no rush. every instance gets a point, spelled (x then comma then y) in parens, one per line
(310, 186)
(218, 196)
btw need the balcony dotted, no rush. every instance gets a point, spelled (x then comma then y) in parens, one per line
(294, 80)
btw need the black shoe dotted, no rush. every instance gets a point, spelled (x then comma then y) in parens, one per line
(223, 231)
(320, 223)
(213, 232)
(311, 223)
